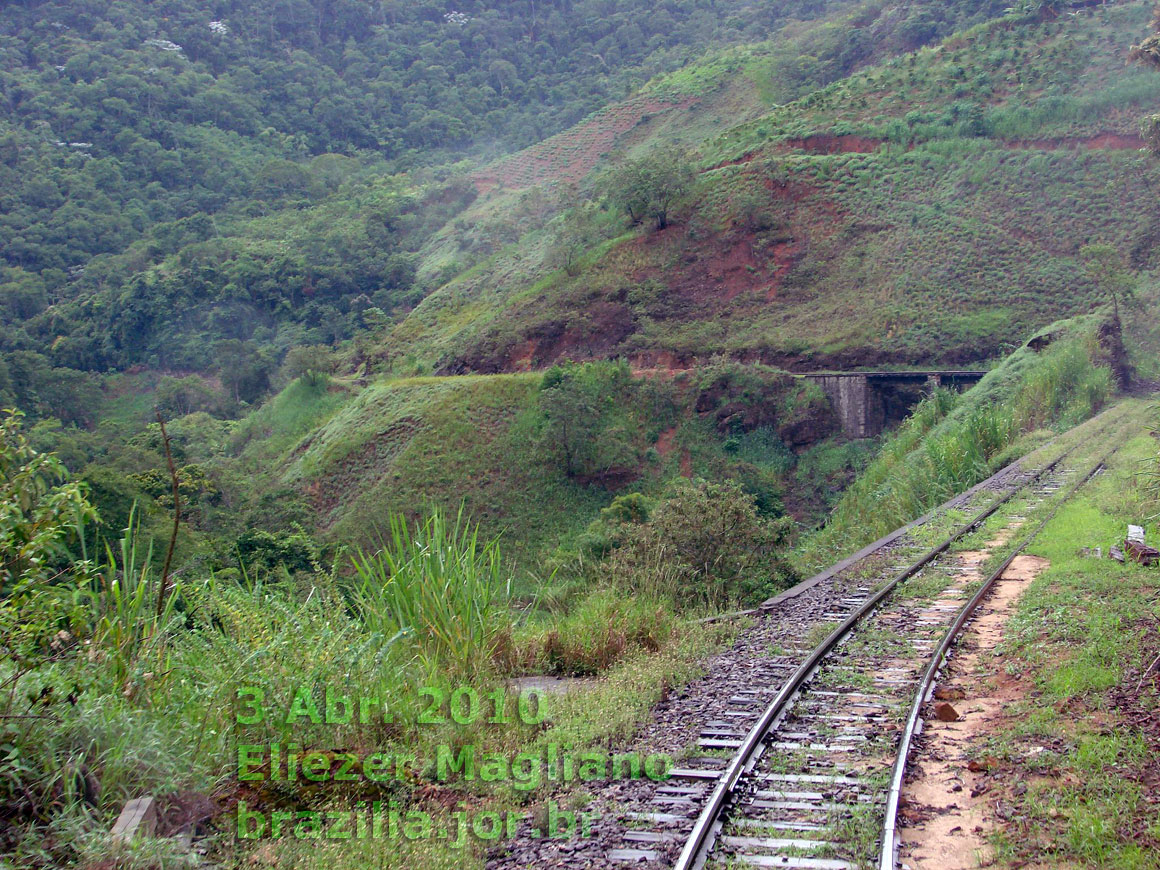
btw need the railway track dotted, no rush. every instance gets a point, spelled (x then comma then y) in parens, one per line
(802, 766)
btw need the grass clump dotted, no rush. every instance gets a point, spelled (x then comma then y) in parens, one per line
(593, 635)
(440, 586)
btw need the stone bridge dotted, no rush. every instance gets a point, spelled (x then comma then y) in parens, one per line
(866, 402)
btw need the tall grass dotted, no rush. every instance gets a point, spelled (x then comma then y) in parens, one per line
(1066, 389)
(128, 630)
(1147, 476)
(597, 632)
(440, 585)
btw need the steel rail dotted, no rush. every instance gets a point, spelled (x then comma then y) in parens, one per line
(888, 855)
(701, 838)
(834, 570)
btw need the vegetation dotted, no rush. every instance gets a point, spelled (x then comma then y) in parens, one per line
(846, 226)
(706, 545)
(950, 442)
(1080, 647)
(41, 513)
(649, 187)
(1148, 53)
(439, 586)
(444, 413)
(112, 700)
(1110, 272)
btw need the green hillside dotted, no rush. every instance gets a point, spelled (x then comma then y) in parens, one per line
(535, 457)
(927, 210)
(399, 350)
(857, 200)
(183, 184)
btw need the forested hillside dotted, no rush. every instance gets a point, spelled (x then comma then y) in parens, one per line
(386, 349)
(184, 184)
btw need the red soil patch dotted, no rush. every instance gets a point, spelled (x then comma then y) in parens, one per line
(686, 464)
(733, 268)
(571, 155)
(522, 357)
(658, 363)
(826, 143)
(604, 325)
(1104, 141)
(1114, 141)
(785, 256)
(664, 443)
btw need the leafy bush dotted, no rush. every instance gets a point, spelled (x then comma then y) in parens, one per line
(294, 551)
(607, 532)
(42, 512)
(705, 545)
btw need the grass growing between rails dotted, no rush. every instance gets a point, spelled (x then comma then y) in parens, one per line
(1082, 641)
(952, 442)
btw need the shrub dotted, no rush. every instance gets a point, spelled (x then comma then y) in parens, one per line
(42, 512)
(706, 545)
(583, 430)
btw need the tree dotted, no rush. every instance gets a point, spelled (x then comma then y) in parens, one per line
(244, 370)
(581, 426)
(181, 396)
(314, 363)
(1106, 266)
(579, 232)
(649, 187)
(279, 178)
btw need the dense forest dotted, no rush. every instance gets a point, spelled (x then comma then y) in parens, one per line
(183, 184)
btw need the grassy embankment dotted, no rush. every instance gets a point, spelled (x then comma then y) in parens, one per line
(950, 443)
(1083, 739)
(341, 462)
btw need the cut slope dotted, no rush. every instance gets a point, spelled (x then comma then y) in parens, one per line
(928, 210)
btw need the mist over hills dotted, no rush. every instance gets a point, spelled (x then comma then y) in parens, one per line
(273, 174)
(390, 351)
